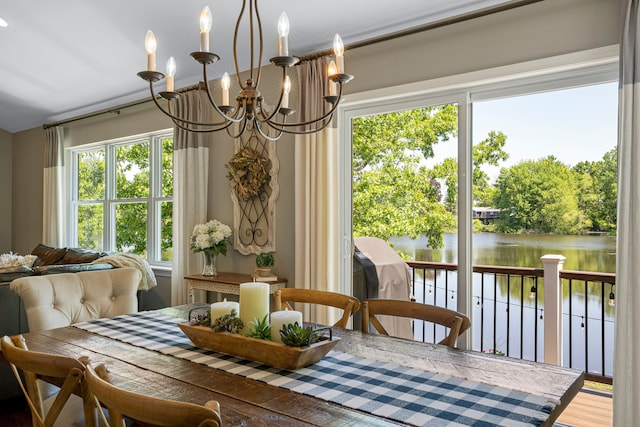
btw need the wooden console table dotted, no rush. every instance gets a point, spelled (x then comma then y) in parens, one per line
(226, 283)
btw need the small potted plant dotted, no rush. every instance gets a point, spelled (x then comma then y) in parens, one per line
(264, 262)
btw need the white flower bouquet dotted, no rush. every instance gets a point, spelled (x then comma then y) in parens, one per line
(211, 237)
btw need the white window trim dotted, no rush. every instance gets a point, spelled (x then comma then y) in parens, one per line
(110, 202)
(564, 71)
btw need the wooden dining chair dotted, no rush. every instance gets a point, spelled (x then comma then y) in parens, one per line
(455, 321)
(349, 304)
(68, 371)
(146, 409)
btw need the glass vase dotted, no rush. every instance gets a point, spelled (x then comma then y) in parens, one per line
(209, 264)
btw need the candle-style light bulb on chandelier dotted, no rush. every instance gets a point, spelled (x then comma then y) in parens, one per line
(250, 111)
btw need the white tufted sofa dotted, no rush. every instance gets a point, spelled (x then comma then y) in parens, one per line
(58, 300)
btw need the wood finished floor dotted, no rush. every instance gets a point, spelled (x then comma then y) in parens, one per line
(590, 408)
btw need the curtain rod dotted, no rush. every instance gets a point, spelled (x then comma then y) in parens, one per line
(391, 36)
(426, 27)
(114, 109)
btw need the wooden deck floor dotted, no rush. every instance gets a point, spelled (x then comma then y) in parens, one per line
(590, 408)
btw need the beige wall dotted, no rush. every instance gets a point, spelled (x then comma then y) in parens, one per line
(26, 198)
(545, 29)
(536, 31)
(5, 190)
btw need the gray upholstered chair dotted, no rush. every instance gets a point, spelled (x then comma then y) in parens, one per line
(58, 300)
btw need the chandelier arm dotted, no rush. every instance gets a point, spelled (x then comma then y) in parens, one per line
(264, 135)
(240, 132)
(235, 45)
(190, 129)
(212, 126)
(173, 117)
(259, 69)
(300, 132)
(233, 118)
(329, 114)
(277, 107)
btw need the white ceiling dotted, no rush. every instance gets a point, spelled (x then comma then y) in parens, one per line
(64, 58)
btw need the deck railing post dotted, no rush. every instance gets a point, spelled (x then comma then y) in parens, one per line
(552, 308)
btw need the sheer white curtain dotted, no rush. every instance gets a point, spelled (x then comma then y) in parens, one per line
(626, 382)
(53, 194)
(316, 194)
(190, 190)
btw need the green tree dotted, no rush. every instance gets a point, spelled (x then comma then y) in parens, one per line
(539, 195)
(394, 193)
(598, 190)
(132, 183)
(91, 188)
(489, 151)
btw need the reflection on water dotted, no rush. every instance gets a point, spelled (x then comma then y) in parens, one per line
(507, 300)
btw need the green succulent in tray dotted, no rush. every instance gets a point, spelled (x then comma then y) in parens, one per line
(228, 323)
(201, 319)
(260, 329)
(296, 335)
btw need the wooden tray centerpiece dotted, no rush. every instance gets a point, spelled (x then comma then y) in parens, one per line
(270, 353)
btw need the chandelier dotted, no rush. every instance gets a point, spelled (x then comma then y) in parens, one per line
(251, 111)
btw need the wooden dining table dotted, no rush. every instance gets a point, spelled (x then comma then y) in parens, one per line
(249, 402)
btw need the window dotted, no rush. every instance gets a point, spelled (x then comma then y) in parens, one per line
(467, 91)
(121, 198)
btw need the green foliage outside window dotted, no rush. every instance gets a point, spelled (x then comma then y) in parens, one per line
(395, 194)
(131, 201)
(547, 196)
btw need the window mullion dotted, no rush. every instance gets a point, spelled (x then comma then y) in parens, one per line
(152, 211)
(109, 232)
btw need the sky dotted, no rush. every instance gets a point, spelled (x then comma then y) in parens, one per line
(572, 124)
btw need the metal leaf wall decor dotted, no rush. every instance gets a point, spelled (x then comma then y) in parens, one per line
(254, 195)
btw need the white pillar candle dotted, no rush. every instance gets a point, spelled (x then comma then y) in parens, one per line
(222, 308)
(254, 303)
(281, 318)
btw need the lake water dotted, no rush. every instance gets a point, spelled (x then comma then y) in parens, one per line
(501, 298)
(583, 253)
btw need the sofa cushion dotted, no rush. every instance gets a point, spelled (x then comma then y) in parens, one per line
(58, 300)
(48, 255)
(71, 268)
(80, 256)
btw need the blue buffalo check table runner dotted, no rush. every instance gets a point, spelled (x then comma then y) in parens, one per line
(388, 390)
